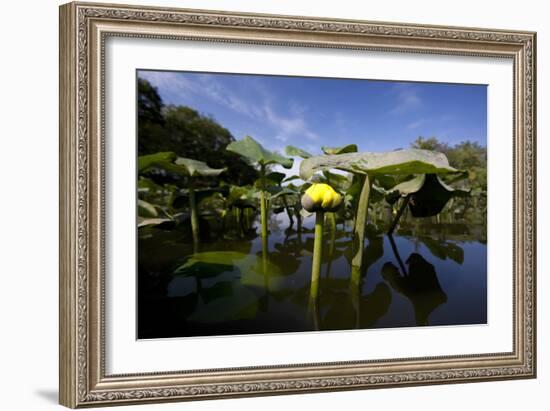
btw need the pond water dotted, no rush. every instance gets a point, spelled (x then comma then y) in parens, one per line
(427, 273)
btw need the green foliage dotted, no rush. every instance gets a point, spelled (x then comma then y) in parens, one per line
(400, 162)
(187, 133)
(149, 103)
(255, 153)
(466, 155)
(296, 152)
(194, 168)
(160, 160)
(350, 148)
(146, 209)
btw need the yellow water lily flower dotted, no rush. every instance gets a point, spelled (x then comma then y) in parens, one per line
(321, 197)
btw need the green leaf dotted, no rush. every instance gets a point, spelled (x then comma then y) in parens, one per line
(143, 222)
(285, 191)
(253, 151)
(296, 152)
(146, 209)
(429, 194)
(195, 168)
(399, 162)
(242, 197)
(149, 161)
(350, 148)
(291, 178)
(275, 178)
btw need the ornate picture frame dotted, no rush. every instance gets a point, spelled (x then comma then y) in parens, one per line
(84, 29)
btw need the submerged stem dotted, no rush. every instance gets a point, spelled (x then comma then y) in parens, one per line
(360, 223)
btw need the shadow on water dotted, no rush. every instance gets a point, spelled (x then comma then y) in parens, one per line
(239, 284)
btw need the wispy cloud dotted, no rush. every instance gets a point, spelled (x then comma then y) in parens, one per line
(288, 126)
(415, 124)
(260, 106)
(407, 98)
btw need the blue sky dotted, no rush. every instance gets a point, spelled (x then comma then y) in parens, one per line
(312, 112)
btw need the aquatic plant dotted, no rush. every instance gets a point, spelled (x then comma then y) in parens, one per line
(318, 199)
(369, 166)
(426, 195)
(183, 167)
(254, 153)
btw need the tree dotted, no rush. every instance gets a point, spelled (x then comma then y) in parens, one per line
(189, 134)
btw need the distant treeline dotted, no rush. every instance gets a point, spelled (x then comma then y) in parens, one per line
(189, 134)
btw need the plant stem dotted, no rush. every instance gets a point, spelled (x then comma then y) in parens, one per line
(317, 255)
(399, 214)
(263, 210)
(332, 243)
(360, 223)
(194, 214)
(290, 219)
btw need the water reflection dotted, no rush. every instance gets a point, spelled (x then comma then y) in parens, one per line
(241, 285)
(420, 285)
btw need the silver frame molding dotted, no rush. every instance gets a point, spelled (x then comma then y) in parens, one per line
(84, 27)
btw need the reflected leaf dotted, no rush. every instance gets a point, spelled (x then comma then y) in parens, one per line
(421, 286)
(241, 305)
(374, 305)
(444, 249)
(249, 268)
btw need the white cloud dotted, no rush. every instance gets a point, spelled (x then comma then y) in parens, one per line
(408, 98)
(260, 107)
(288, 126)
(415, 124)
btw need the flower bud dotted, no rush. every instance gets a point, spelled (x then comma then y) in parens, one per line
(321, 197)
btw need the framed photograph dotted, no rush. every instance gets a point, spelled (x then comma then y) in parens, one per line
(258, 204)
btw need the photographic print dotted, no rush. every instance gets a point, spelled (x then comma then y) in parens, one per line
(270, 204)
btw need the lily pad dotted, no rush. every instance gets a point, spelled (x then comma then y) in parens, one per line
(195, 168)
(166, 222)
(399, 162)
(255, 153)
(146, 162)
(350, 148)
(146, 209)
(296, 152)
(429, 194)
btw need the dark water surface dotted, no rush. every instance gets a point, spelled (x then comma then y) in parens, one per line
(428, 274)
